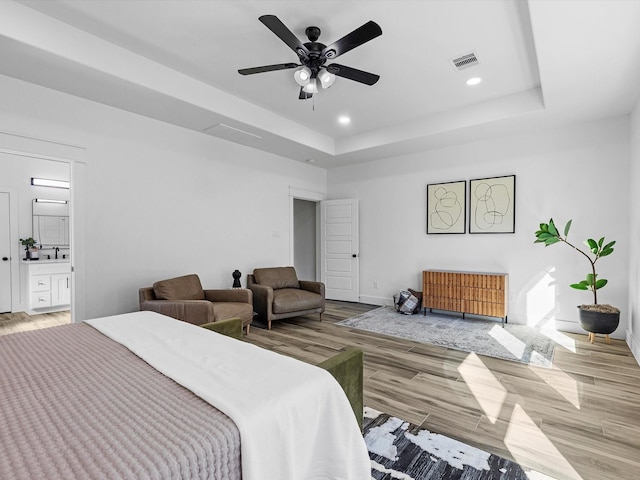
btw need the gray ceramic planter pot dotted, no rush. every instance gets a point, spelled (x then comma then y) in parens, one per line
(599, 322)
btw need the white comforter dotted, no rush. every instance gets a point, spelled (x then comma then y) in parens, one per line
(294, 420)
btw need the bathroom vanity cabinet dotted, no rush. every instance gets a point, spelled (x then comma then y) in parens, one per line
(49, 286)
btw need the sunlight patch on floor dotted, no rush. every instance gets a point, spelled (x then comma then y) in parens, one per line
(562, 383)
(561, 339)
(485, 387)
(511, 343)
(523, 436)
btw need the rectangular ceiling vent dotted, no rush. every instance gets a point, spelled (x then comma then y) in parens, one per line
(465, 61)
(234, 134)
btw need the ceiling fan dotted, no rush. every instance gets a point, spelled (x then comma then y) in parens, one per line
(313, 56)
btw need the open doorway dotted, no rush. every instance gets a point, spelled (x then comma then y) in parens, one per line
(305, 247)
(23, 156)
(33, 285)
(325, 243)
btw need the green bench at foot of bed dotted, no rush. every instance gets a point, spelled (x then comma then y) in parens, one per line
(347, 367)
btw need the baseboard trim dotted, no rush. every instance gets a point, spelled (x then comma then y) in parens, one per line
(371, 300)
(634, 345)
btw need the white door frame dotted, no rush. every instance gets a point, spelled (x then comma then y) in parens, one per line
(14, 250)
(312, 196)
(46, 149)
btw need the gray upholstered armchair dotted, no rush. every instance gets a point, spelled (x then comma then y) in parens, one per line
(277, 293)
(183, 298)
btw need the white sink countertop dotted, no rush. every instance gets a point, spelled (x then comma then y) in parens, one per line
(44, 260)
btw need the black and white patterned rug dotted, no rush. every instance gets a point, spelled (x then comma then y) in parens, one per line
(518, 343)
(403, 451)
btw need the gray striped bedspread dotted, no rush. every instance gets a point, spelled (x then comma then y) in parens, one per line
(76, 405)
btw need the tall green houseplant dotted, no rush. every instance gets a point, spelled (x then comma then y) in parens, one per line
(549, 235)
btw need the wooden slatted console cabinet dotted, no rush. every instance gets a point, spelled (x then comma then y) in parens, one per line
(477, 293)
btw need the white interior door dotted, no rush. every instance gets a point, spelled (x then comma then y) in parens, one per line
(339, 253)
(5, 254)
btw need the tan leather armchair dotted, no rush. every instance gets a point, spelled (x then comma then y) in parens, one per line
(184, 298)
(277, 294)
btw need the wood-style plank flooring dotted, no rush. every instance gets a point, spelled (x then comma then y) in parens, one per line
(21, 322)
(577, 420)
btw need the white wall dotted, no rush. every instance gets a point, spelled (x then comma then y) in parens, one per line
(633, 334)
(162, 201)
(578, 172)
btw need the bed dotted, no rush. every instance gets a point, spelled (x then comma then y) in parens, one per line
(84, 401)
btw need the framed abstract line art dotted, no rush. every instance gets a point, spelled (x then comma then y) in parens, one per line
(492, 205)
(446, 207)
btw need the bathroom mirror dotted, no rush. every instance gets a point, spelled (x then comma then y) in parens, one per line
(51, 222)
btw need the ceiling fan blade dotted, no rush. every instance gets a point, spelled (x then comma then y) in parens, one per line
(353, 74)
(363, 34)
(267, 68)
(274, 24)
(304, 95)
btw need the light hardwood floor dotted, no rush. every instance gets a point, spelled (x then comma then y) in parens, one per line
(577, 420)
(21, 322)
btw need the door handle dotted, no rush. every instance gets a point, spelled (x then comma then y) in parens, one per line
(4, 259)
(354, 255)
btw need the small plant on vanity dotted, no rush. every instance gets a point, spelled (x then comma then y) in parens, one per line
(28, 243)
(594, 318)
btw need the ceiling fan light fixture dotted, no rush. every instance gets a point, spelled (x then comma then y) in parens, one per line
(311, 87)
(302, 76)
(326, 78)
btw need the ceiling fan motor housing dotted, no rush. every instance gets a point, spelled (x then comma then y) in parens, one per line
(314, 60)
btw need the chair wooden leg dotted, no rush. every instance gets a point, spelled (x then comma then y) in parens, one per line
(248, 327)
(607, 339)
(320, 316)
(269, 324)
(592, 338)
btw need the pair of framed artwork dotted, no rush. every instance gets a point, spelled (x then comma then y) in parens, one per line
(491, 206)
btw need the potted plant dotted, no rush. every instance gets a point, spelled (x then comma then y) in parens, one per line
(594, 318)
(28, 243)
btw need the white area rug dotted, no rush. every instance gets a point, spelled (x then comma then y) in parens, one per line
(518, 343)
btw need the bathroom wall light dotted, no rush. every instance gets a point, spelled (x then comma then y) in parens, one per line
(44, 182)
(44, 200)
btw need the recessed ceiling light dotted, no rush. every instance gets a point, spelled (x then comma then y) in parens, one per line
(474, 81)
(344, 120)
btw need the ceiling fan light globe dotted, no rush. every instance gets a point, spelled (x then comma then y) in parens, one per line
(326, 78)
(302, 76)
(311, 87)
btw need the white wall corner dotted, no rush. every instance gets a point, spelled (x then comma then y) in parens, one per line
(634, 345)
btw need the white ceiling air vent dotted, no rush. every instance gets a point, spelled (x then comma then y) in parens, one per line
(465, 61)
(232, 134)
